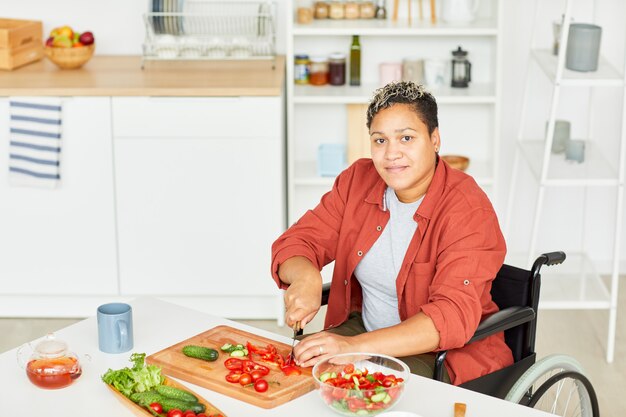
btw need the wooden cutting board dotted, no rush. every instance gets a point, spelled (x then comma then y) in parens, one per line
(211, 375)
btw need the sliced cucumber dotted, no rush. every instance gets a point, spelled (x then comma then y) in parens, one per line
(376, 398)
(325, 376)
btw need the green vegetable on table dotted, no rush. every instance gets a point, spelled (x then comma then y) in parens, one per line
(139, 378)
(200, 352)
(238, 350)
(166, 401)
(176, 393)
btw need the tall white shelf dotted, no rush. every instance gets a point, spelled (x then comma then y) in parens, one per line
(382, 41)
(575, 285)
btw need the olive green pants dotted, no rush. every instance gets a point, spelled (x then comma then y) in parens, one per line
(423, 364)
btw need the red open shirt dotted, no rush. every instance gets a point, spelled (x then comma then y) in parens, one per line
(454, 255)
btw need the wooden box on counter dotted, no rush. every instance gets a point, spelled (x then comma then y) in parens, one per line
(20, 42)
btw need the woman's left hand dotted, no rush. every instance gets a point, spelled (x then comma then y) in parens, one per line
(319, 346)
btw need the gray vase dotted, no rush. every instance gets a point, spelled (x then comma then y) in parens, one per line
(583, 47)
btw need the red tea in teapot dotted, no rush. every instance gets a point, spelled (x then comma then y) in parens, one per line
(53, 373)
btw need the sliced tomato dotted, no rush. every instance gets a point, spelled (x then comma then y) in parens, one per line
(348, 369)
(356, 404)
(233, 363)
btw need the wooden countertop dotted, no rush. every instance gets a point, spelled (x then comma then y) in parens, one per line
(123, 76)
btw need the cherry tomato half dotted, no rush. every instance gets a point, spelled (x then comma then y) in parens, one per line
(260, 385)
(156, 407)
(245, 379)
(175, 412)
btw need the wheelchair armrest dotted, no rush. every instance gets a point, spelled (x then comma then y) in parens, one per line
(325, 293)
(503, 320)
(497, 322)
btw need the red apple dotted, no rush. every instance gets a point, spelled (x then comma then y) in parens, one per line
(86, 38)
(49, 41)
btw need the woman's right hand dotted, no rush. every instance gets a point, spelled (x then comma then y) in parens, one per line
(303, 297)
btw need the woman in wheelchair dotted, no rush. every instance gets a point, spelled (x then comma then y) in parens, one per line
(416, 246)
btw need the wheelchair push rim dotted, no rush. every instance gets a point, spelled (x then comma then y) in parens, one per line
(556, 384)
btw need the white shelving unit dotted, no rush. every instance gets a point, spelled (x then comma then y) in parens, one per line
(576, 284)
(317, 114)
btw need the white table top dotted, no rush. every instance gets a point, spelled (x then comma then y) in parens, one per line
(157, 325)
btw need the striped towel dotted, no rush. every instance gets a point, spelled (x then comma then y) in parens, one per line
(35, 141)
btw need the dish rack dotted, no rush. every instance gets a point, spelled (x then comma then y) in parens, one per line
(212, 30)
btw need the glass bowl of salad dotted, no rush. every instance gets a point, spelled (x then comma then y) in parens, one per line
(360, 384)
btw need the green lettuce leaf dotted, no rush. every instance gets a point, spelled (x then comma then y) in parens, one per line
(139, 378)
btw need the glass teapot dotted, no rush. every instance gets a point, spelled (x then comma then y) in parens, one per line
(49, 364)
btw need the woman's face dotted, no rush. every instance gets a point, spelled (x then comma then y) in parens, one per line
(403, 152)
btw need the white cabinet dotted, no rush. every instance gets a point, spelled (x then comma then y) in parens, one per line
(200, 199)
(62, 241)
(468, 117)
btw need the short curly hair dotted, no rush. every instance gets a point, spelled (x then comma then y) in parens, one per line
(405, 92)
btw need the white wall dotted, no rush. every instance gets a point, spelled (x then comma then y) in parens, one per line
(118, 27)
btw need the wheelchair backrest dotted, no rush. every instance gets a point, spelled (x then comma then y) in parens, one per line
(516, 287)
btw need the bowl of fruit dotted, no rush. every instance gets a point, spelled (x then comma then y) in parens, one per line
(357, 384)
(69, 49)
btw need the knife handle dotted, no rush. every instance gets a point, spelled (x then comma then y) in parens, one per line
(297, 327)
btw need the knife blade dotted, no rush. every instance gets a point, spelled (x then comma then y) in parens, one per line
(296, 329)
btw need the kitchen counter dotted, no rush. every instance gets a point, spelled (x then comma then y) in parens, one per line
(123, 76)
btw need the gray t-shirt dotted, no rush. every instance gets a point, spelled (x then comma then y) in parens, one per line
(378, 270)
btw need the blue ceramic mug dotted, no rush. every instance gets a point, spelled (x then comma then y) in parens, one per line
(115, 327)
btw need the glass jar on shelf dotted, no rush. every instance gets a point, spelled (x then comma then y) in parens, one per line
(337, 69)
(321, 10)
(301, 65)
(367, 10)
(337, 10)
(351, 9)
(319, 70)
(304, 12)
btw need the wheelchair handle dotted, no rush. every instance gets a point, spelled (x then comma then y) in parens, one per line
(550, 258)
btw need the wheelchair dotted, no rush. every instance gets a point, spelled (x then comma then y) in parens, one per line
(556, 383)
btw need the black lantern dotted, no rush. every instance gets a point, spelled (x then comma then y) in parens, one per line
(461, 69)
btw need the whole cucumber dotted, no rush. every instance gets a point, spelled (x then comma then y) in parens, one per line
(146, 398)
(170, 404)
(201, 352)
(175, 393)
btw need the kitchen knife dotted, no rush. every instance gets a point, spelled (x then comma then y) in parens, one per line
(296, 329)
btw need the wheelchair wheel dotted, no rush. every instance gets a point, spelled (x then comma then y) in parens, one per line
(556, 384)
